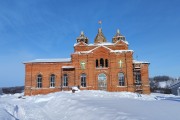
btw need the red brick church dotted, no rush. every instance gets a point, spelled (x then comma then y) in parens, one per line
(102, 65)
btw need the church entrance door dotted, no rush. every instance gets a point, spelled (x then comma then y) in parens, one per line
(102, 82)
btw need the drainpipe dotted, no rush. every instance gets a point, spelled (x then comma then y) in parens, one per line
(126, 72)
(31, 79)
(61, 78)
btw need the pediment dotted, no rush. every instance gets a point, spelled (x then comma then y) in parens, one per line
(102, 49)
(121, 42)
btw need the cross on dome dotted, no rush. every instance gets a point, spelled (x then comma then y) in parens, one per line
(82, 33)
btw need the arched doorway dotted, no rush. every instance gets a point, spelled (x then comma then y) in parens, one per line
(102, 81)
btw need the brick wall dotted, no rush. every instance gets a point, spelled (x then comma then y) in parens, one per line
(111, 72)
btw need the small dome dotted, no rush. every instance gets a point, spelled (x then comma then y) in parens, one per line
(118, 36)
(82, 38)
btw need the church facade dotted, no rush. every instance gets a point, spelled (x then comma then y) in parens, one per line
(102, 65)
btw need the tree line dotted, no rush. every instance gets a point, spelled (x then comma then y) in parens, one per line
(162, 83)
(11, 90)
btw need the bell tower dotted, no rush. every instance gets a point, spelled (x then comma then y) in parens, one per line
(82, 38)
(118, 37)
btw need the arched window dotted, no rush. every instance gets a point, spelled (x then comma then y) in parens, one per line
(121, 79)
(101, 62)
(97, 65)
(106, 63)
(52, 80)
(65, 80)
(83, 80)
(39, 81)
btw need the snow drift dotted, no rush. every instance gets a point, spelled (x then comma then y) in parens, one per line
(89, 105)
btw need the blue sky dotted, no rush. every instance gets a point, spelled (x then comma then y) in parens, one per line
(31, 29)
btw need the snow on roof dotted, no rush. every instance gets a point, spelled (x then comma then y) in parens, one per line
(50, 60)
(123, 41)
(68, 67)
(126, 42)
(85, 52)
(135, 61)
(121, 51)
(82, 52)
(116, 51)
(106, 43)
(100, 44)
(103, 43)
(76, 44)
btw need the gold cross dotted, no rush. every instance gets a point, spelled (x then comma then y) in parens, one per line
(120, 63)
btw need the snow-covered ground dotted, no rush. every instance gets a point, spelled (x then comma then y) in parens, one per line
(90, 105)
